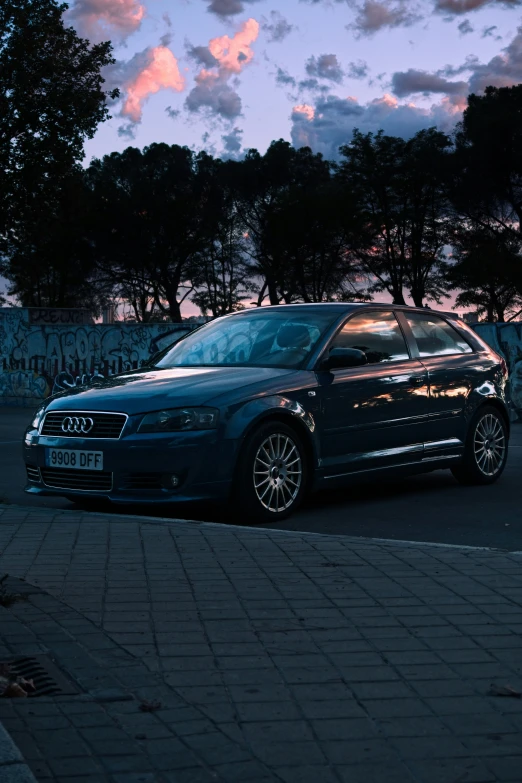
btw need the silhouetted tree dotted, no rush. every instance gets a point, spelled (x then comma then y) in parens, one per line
(51, 262)
(487, 273)
(399, 186)
(51, 100)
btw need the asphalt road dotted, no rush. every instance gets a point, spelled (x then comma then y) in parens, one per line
(433, 507)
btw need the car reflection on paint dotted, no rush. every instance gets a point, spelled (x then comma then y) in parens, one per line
(259, 407)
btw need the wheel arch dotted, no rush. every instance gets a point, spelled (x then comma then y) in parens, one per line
(291, 420)
(494, 402)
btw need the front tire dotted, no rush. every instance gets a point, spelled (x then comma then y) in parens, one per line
(272, 476)
(486, 449)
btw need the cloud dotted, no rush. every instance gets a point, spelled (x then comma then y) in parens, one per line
(226, 8)
(213, 93)
(225, 57)
(234, 53)
(464, 6)
(172, 113)
(232, 144)
(412, 81)
(146, 73)
(490, 32)
(358, 70)
(374, 15)
(283, 78)
(465, 27)
(100, 19)
(330, 123)
(202, 56)
(278, 28)
(504, 70)
(326, 66)
(127, 131)
(305, 110)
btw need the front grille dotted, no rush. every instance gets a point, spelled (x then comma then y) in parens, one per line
(106, 425)
(141, 481)
(33, 474)
(90, 480)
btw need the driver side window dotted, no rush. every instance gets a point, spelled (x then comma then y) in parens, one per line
(377, 334)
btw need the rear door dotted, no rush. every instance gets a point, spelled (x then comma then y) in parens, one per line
(376, 415)
(453, 368)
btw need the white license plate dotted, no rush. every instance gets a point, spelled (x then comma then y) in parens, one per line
(75, 459)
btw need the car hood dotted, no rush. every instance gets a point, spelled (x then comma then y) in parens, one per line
(140, 391)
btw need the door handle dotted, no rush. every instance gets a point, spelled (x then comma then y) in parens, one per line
(418, 380)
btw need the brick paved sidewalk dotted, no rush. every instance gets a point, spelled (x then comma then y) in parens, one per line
(277, 656)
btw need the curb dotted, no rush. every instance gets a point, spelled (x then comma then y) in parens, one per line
(114, 516)
(13, 768)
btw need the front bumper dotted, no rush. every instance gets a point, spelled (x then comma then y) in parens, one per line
(140, 467)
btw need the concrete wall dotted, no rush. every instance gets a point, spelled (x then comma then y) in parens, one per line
(506, 339)
(39, 357)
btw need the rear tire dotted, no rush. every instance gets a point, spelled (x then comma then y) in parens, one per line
(272, 474)
(486, 448)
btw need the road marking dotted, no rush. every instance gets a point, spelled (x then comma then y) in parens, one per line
(4, 442)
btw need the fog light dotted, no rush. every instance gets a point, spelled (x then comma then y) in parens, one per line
(174, 480)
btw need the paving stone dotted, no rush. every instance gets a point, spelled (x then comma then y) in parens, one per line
(267, 665)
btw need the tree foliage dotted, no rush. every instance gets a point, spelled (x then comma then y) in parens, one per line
(51, 100)
(399, 188)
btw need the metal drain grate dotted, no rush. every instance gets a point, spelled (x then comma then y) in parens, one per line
(48, 679)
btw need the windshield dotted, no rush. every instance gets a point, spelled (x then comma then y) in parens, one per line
(258, 338)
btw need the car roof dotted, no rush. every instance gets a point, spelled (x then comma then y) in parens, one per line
(347, 307)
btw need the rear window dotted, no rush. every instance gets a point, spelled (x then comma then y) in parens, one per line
(436, 337)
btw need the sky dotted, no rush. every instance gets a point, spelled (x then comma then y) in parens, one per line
(229, 75)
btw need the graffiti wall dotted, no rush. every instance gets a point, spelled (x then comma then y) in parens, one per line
(42, 358)
(506, 339)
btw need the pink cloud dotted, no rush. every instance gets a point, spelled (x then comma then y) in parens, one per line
(234, 53)
(225, 57)
(305, 109)
(96, 19)
(160, 71)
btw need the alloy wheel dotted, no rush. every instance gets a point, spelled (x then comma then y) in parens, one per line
(489, 445)
(278, 472)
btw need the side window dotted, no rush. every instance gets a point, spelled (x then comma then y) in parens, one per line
(377, 334)
(435, 337)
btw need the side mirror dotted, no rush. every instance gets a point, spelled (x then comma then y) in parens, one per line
(342, 358)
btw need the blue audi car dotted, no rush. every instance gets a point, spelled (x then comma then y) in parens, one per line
(259, 407)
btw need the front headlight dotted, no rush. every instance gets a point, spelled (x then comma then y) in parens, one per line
(180, 419)
(37, 418)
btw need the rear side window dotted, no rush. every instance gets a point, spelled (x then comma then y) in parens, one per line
(435, 337)
(378, 335)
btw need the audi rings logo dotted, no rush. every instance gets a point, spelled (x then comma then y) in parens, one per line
(77, 424)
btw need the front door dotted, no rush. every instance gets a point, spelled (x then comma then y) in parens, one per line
(373, 416)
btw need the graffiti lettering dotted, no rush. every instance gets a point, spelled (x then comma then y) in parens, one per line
(42, 316)
(37, 360)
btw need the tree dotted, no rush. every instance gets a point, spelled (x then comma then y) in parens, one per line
(221, 273)
(400, 188)
(51, 100)
(488, 274)
(311, 230)
(487, 183)
(263, 186)
(157, 210)
(51, 261)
